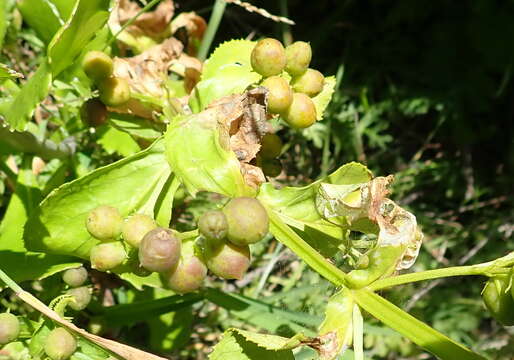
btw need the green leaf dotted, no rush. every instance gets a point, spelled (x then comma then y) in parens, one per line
(116, 141)
(42, 16)
(199, 159)
(240, 345)
(264, 315)
(323, 98)
(227, 71)
(6, 73)
(131, 185)
(87, 17)
(20, 110)
(335, 332)
(3, 24)
(135, 126)
(231, 54)
(296, 206)
(413, 329)
(144, 310)
(17, 262)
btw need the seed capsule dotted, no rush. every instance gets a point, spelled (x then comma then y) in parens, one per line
(114, 91)
(97, 65)
(60, 344)
(298, 56)
(9, 328)
(310, 83)
(228, 261)
(75, 277)
(271, 146)
(302, 112)
(93, 112)
(271, 167)
(107, 256)
(268, 57)
(82, 297)
(136, 227)
(280, 94)
(159, 250)
(104, 223)
(248, 221)
(187, 276)
(213, 225)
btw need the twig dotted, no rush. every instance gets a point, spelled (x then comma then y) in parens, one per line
(250, 8)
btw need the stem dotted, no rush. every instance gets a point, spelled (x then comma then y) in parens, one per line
(486, 269)
(212, 28)
(131, 21)
(287, 37)
(25, 141)
(124, 351)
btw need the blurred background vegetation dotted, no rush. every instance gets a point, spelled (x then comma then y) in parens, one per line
(425, 92)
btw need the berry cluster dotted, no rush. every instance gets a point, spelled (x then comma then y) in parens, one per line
(291, 100)
(182, 266)
(227, 234)
(98, 66)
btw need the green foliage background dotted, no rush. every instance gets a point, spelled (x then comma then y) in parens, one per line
(425, 91)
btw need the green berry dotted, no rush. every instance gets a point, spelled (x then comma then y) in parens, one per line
(309, 83)
(104, 223)
(498, 299)
(248, 221)
(271, 146)
(82, 297)
(280, 94)
(271, 167)
(268, 57)
(60, 344)
(228, 261)
(75, 277)
(97, 65)
(187, 276)
(107, 256)
(159, 250)
(114, 91)
(93, 113)
(302, 112)
(9, 328)
(213, 225)
(298, 56)
(136, 227)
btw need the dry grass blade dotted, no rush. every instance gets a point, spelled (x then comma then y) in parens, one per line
(250, 8)
(124, 351)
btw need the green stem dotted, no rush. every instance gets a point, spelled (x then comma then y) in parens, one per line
(302, 249)
(486, 269)
(26, 142)
(287, 37)
(131, 21)
(212, 28)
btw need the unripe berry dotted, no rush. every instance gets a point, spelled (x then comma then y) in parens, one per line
(82, 297)
(75, 277)
(97, 65)
(271, 146)
(9, 328)
(107, 256)
(93, 112)
(104, 223)
(213, 226)
(302, 112)
(310, 83)
(271, 167)
(298, 56)
(498, 300)
(187, 276)
(280, 94)
(159, 250)
(136, 227)
(114, 91)
(268, 57)
(248, 221)
(60, 344)
(228, 261)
